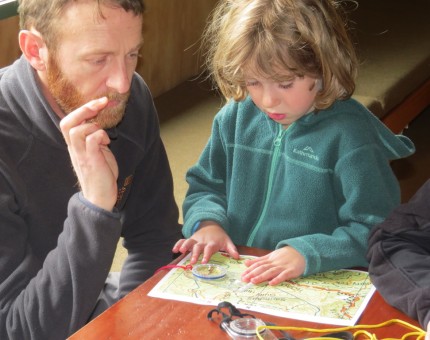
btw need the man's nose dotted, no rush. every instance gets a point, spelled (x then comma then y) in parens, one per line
(119, 78)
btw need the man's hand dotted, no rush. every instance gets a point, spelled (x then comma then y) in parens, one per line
(207, 240)
(93, 162)
(280, 265)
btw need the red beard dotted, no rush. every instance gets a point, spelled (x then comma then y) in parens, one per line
(69, 98)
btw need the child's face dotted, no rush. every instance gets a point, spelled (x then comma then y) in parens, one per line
(284, 102)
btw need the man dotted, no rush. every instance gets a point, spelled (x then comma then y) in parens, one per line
(399, 254)
(81, 163)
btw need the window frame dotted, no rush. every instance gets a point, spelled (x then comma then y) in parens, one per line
(8, 8)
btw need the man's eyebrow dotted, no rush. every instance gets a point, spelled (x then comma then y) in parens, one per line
(138, 46)
(102, 51)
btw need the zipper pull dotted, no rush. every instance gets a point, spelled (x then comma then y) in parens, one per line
(278, 138)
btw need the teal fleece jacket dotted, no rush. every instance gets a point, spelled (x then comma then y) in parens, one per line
(318, 186)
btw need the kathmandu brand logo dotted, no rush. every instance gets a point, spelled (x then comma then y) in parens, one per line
(307, 152)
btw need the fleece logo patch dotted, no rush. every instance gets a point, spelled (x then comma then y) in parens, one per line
(307, 151)
(126, 185)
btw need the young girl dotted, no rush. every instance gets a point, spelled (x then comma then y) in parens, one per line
(293, 164)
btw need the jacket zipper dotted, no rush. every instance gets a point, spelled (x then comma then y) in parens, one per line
(273, 166)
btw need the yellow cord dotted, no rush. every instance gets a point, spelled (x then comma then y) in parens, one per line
(417, 332)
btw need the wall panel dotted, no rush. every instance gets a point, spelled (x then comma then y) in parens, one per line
(9, 49)
(172, 30)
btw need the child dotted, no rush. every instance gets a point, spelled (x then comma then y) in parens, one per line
(293, 164)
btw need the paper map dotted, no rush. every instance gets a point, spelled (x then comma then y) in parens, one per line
(336, 297)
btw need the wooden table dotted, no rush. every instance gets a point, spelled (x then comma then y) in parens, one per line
(138, 316)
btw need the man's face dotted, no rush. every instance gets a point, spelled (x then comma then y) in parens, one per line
(95, 57)
(68, 97)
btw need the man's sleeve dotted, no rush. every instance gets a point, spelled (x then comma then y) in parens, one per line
(150, 214)
(399, 257)
(53, 297)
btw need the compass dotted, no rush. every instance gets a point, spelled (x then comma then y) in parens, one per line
(209, 271)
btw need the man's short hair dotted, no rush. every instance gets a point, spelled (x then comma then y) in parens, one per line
(45, 15)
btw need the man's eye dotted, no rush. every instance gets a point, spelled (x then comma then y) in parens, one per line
(134, 55)
(98, 61)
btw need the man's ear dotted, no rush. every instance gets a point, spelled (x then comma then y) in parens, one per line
(34, 49)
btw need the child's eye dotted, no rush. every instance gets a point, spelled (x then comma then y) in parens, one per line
(286, 85)
(251, 83)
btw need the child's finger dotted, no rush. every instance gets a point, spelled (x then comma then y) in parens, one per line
(232, 251)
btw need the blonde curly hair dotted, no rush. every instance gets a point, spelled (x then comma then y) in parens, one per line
(302, 37)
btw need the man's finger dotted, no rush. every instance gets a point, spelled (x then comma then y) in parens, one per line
(77, 136)
(81, 115)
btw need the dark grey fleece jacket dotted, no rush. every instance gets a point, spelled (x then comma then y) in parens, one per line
(56, 248)
(399, 257)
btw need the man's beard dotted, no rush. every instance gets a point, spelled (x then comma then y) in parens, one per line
(69, 98)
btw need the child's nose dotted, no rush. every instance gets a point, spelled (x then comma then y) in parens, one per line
(270, 99)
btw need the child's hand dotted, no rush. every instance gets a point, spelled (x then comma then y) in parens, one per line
(207, 240)
(428, 332)
(280, 265)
